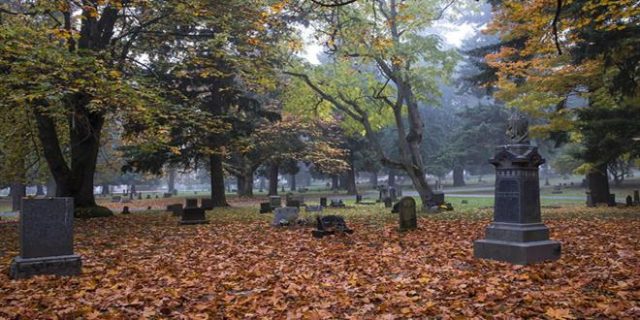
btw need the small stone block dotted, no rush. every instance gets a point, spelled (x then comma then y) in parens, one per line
(193, 216)
(517, 253)
(22, 268)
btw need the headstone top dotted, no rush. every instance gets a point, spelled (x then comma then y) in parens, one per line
(407, 210)
(46, 227)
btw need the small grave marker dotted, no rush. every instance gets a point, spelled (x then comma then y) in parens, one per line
(193, 215)
(407, 210)
(285, 216)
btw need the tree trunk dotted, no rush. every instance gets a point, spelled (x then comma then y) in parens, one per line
(39, 190)
(373, 179)
(18, 191)
(392, 179)
(51, 187)
(292, 182)
(218, 196)
(334, 182)
(598, 183)
(263, 183)
(105, 189)
(273, 180)
(171, 184)
(74, 181)
(352, 188)
(245, 184)
(458, 176)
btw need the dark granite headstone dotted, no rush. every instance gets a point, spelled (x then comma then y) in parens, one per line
(293, 203)
(328, 225)
(276, 201)
(148, 196)
(125, 210)
(629, 201)
(517, 234)
(207, 203)
(191, 203)
(437, 199)
(323, 202)
(612, 200)
(176, 209)
(193, 215)
(46, 239)
(358, 198)
(407, 210)
(265, 207)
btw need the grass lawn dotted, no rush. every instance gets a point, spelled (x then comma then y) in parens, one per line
(238, 267)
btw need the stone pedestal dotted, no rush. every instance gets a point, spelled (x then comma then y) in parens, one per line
(193, 216)
(46, 239)
(517, 234)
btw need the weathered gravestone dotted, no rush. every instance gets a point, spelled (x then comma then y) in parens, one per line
(517, 234)
(193, 215)
(148, 196)
(437, 199)
(265, 207)
(636, 197)
(276, 201)
(336, 203)
(323, 202)
(407, 210)
(392, 194)
(46, 239)
(358, 198)
(191, 203)
(383, 194)
(294, 200)
(116, 199)
(313, 208)
(167, 195)
(557, 190)
(388, 203)
(207, 203)
(328, 225)
(612, 200)
(125, 210)
(629, 201)
(139, 196)
(285, 216)
(293, 203)
(176, 209)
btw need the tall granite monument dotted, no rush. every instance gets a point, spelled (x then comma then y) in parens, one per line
(517, 234)
(46, 239)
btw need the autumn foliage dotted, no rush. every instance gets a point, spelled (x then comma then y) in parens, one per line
(146, 266)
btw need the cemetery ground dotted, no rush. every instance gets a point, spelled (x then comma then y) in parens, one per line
(145, 265)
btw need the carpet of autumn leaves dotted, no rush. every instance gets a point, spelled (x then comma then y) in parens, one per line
(146, 266)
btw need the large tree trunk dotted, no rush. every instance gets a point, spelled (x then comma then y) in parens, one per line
(458, 176)
(51, 187)
(391, 182)
(74, 181)
(598, 183)
(245, 184)
(292, 182)
(273, 180)
(171, 183)
(351, 187)
(18, 191)
(105, 189)
(335, 179)
(218, 196)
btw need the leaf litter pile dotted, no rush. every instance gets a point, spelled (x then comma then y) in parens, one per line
(146, 266)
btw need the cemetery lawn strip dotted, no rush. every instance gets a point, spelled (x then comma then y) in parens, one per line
(146, 265)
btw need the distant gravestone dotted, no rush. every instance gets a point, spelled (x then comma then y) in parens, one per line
(265, 207)
(294, 200)
(636, 197)
(125, 210)
(126, 200)
(46, 239)
(629, 201)
(358, 198)
(191, 203)
(193, 215)
(293, 203)
(148, 196)
(313, 209)
(323, 202)
(392, 194)
(337, 203)
(167, 195)
(437, 199)
(388, 203)
(383, 194)
(176, 209)
(612, 200)
(557, 190)
(276, 201)
(116, 199)
(207, 203)
(407, 210)
(285, 216)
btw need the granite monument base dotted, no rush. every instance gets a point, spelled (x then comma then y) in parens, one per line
(517, 243)
(22, 268)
